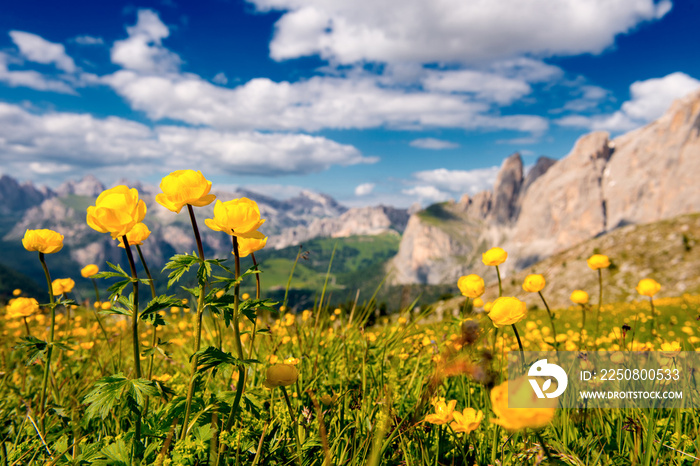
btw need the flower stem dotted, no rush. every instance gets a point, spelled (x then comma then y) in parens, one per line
(295, 426)
(257, 296)
(551, 320)
(653, 330)
(198, 328)
(49, 350)
(600, 302)
(135, 341)
(154, 338)
(520, 345)
(97, 291)
(500, 286)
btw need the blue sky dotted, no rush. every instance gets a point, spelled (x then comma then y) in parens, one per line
(370, 101)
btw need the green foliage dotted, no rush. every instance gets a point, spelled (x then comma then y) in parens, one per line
(179, 264)
(115, 389)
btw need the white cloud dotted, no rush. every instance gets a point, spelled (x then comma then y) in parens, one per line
(39, 50)
(453, 31)
(220, 78)
(432, 143)
(32, 142)
(364, 189)
(142, 50)
(458, 182)
(89, 40)
(650, 99)
(30, 78)
(487, 86)
(427, 194)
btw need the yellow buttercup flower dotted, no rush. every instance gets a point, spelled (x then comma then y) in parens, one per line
(579, 297)
(62, 285)
(22, 307)
(16, 292)
(183, 187)
(519, 418)
(281, 375)
(494, 256)
(533, 283)
(467, 421)
(478, 302)
(136, 236)
(471, 286)
(44, 241)
(116, 211)
(648, 287)
(443, 412)
(598, 261)
(507, 311)
(246, 246)
(89, 270)
(238, 217)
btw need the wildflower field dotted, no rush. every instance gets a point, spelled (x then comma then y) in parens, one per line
(223, 377)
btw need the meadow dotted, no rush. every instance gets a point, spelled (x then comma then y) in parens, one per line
(226, 377)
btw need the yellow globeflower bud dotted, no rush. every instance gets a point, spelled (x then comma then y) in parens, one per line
(22, 307)
(62, 285)
(16, 292)
(89, 270)
(579, 297)
(598, 261)
(183, 187)
(494, 256)
(478, 302)
(507, 311)
(136, 236)
(237, 217)
(281, 375)
(246, 246)
(533, 283)
(116, 211)
(44, 241)
(648, 287)
(471, 286)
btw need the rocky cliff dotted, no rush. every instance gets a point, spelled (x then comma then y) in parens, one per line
(643, 176)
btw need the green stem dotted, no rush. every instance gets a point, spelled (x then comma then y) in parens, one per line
(500, 286)
(295, 426)
(97, 291)
(154, 338)
(257, 296)
(551, 319)
(544, 447)
(198, 327)
(520, 345)
(135, 344)
(653, 330)
(600, 302)
(49, 349)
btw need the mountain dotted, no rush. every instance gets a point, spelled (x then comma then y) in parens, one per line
(644, 176)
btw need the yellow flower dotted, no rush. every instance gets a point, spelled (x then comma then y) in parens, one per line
(670, 350)
(306, 315)
(45, 241)
(116, 211)
(22, 307)
(488, 306)
(87, 345)
(106, 306)
(61, 286)
(494, 256)
(534, 283)
(471, 286)
(238, 217)
(136, 236)
(443, 412)
(246, 246)
(467, 421)
(507, 311)
(89, 270)
(519, 418)
(281, 375)
(579, 297)
(16, 292)
(648, 287)
(598, 261)
(291, 361)
(183, 187)
(478, 302)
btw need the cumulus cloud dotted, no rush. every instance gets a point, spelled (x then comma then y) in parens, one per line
(83, 144)
(649, 100)
(458, 182)
(220, 78)
(427, 194)
(89, 40)
(364, 189)
(432, 143)
(487, 86)
(29, 78)
(143, 50)
(39, 50)
(452, 31)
